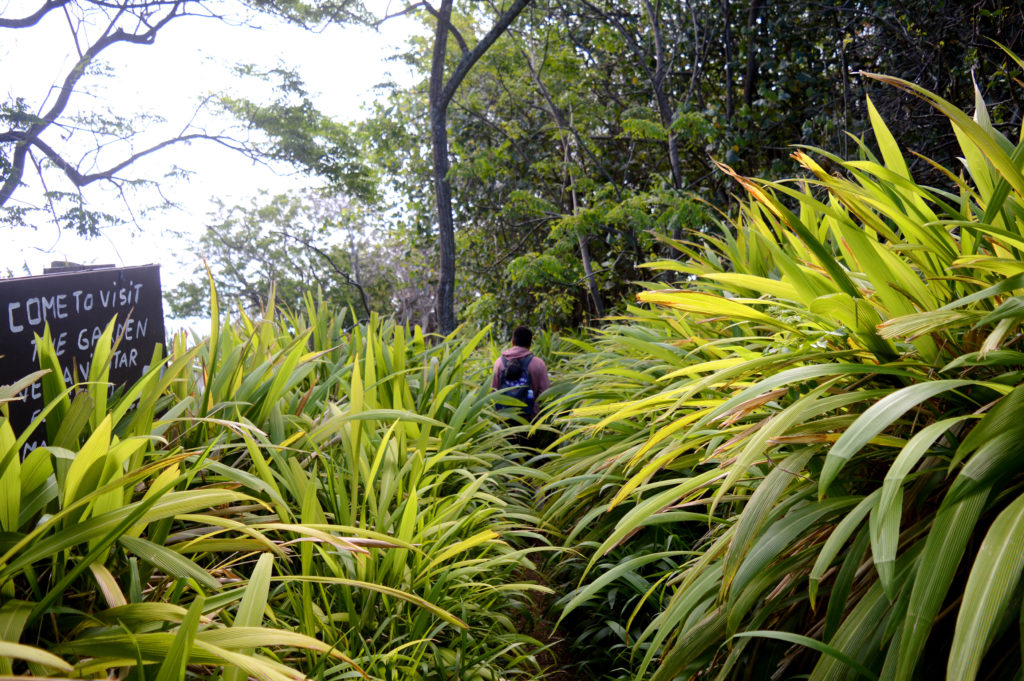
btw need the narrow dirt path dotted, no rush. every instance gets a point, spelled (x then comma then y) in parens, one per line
(556, 658)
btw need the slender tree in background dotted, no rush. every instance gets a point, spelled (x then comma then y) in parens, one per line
(295, 243)
(441, 91)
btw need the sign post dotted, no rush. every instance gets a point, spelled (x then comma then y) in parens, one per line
(78, 306)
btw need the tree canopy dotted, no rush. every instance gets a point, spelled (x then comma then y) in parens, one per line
(591, 133)
(70, 150)
(569, 142)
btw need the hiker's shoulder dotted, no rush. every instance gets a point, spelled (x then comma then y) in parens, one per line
(537, 363)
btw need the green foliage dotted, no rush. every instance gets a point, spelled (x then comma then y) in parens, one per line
(300, 135)
(283, 500)
(16, 114)
(824, 412)
(74, 215)
(292, 244)
(639, 128)
(585, 107)
(314, 14)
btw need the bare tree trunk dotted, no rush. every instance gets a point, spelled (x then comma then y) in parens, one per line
(750, 79)
(441, 92)
(568, 133)
(357, 277)
(656, 77)
(442, 189)
(588, 268)
(658, 85)
(700, 49)
(582, 239)
(729, 106)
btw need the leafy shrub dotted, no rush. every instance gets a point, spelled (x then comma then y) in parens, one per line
(284, 500)
(831, 395)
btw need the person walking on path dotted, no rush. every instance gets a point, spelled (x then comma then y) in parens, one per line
(519, 355)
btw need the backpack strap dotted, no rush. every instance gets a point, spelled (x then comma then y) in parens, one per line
(523, 363)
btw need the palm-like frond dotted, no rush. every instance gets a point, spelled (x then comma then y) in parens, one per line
(823, 410)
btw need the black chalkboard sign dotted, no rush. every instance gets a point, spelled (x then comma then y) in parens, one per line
(78, 306)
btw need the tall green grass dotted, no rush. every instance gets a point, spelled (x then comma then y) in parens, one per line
(287, 498)
(826, 412)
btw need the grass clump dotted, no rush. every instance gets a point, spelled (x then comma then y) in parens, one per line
(286, 499)
(817, 428)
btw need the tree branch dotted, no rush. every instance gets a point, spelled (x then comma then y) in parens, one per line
(432, 11)
(23, 139)
(109, 38)
(349, 280)
(35, 17)
(80, 179)
(564, 125)
(408, 9)
(472, 57)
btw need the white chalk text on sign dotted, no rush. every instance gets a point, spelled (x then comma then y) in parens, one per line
(77, 307)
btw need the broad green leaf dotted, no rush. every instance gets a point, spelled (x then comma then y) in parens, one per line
(864, 631)
(886, 516)
(887, 143)
(99, 374)
(10, 481)
(943, 550)
(170, 562)
(385, 590)
(814, 645)
(85, 471)
(109, 587)
(640, 513)
(876, 419)
(777, 426)
(55, 388)
(845, 578)
(761, 285)
(844, 529)
(994, 577)
(18, 651)
(707, 633)
(579, 597)
(707, 305)
(12, 392)
(35, 546)
(134, 614)
(856, 314)
(13, 616)
(761, 503)
(254, 601)
(781, 534)
(985, 142)
(172, 667)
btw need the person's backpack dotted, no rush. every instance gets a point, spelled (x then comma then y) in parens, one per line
(515, 383)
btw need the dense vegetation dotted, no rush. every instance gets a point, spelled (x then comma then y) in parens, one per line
(803, 462)
(795, 453)
(807, 459)
(587, 134)
(283, 496)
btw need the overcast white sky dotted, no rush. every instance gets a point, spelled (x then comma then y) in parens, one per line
(188, 59)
